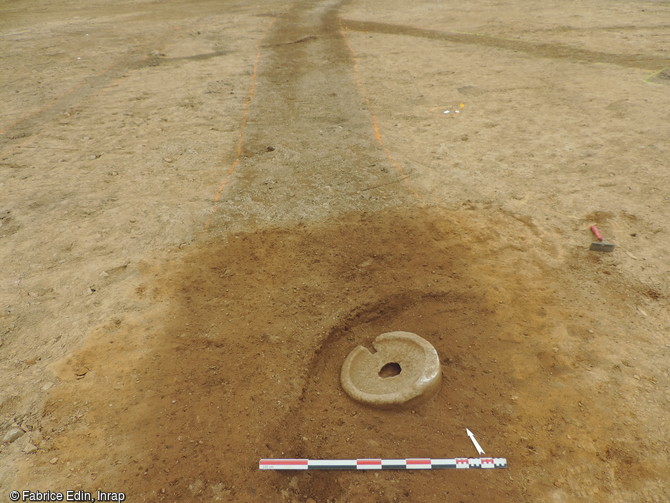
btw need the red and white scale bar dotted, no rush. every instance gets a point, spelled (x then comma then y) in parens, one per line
(381, 464)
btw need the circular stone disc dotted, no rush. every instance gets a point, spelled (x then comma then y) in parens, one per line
(414, 357)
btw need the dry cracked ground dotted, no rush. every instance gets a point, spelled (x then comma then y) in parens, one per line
(205, 205)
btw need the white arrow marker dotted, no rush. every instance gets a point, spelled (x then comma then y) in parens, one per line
(474, 441)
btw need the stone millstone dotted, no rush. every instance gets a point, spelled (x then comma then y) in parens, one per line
(415, 359)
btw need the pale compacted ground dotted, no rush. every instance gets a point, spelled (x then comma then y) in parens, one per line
(206, 205)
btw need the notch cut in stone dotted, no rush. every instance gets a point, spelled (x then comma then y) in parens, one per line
(404, 367)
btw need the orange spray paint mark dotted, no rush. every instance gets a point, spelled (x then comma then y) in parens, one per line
(239, 144)
(375, 122)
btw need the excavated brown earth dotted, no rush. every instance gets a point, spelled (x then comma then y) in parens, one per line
(242, 361)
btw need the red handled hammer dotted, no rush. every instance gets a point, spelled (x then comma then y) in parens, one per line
(600, 245)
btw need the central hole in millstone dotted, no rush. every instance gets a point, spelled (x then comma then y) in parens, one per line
(390, 369)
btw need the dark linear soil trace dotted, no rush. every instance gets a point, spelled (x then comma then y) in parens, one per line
(555, 51)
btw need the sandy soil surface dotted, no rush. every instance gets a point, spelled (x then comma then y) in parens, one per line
(207, 204)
